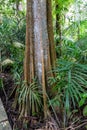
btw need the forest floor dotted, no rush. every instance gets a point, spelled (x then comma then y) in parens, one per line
(7, 99)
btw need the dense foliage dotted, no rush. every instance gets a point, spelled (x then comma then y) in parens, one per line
(71, 48)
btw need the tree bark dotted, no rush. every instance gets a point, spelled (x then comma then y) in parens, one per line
(29, 50)
(40, 49)
(58, 32)
(50, 33)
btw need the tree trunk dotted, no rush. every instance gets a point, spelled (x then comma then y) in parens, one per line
(58, 32)
(17, 5)
(50, 33)
(40, 50)
(29, 50)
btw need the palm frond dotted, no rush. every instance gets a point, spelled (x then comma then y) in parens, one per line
(71, 81)
(29, 99)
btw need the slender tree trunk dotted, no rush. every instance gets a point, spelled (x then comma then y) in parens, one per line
(58, 31)
(17, 5)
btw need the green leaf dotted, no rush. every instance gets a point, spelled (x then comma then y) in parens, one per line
(85, 111)
(84, 95)
(82, 102)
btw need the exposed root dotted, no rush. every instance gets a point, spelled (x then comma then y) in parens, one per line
(50, 125)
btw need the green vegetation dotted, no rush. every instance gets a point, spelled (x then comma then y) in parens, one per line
(70, 80)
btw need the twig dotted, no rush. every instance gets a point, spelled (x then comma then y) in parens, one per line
(85, 123)
(3, 121)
